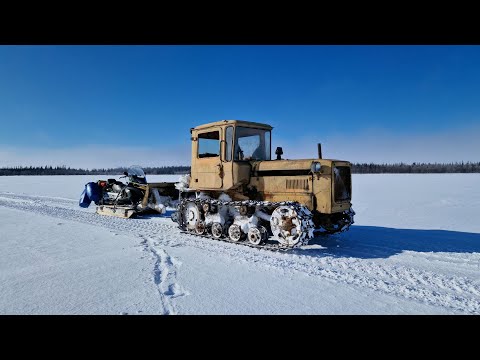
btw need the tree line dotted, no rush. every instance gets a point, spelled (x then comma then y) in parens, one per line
(357, 168)
(63, 170)
(416, 168)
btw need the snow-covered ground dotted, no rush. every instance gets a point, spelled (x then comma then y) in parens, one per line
(414, 249)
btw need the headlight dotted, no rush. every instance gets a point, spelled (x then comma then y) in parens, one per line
(316, 167)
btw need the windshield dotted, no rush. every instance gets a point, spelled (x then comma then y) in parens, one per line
(137, 174)
(252, 144)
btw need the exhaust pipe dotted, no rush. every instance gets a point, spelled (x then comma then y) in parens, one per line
(319, 150)
(279, 153)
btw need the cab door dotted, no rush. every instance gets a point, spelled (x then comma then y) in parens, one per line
(207, 169)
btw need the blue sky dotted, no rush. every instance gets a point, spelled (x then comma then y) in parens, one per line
(97, 106)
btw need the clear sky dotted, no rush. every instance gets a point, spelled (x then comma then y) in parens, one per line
(102, 106)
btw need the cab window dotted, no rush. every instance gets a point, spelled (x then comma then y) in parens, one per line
(251, 144)
(228, 143)
(209, 144)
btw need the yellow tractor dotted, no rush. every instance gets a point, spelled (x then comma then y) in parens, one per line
(238, 193)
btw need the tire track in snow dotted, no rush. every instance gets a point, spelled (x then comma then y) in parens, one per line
(37, 198)
(452, 292)
(39, 206)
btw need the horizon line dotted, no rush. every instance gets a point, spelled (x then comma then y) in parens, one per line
(167, 166)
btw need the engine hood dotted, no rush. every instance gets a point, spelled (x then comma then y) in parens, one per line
(292, 167)
(302, 164)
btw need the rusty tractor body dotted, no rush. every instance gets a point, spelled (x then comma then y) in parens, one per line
(239, 193)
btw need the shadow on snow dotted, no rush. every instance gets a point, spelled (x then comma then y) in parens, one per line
(381, 242)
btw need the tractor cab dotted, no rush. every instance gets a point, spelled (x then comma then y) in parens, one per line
(222, 153)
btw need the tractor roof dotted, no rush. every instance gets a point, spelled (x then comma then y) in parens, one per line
(234, 123)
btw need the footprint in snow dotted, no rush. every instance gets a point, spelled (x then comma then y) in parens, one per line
(174, 291)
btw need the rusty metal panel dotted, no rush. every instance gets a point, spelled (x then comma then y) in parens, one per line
(284, 165)
(297, 184)
(207, 172)
(323, 193)
(305, 199)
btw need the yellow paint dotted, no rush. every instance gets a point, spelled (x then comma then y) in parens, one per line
(239, 178)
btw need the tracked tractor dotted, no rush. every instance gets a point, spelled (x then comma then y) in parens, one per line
(238, 193)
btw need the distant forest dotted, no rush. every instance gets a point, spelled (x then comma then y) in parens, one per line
(63, 170)
(416, 168)
(401, 168)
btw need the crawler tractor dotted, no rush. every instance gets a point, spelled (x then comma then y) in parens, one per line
(238, 193)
